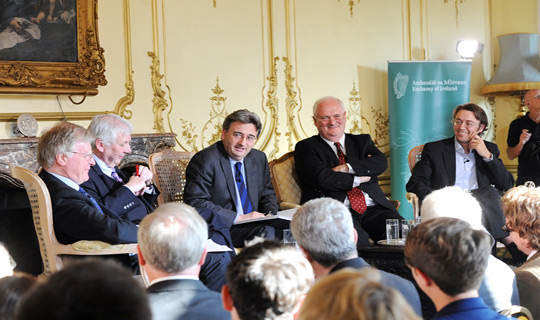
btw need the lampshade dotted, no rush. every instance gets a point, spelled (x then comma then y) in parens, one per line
(519, 67)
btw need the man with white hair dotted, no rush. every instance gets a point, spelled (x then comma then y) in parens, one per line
(172, 249)
(131, 197)
(344, 167)
(323, 229)
(499, 287)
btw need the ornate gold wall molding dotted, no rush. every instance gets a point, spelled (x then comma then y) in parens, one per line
(456, 5)
(52, 116)
(355, 116)
(271, 108)
(159, 102)
(295, 129)
(351, 5)
(128, 99)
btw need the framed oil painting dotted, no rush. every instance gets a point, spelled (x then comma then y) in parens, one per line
(50, 47)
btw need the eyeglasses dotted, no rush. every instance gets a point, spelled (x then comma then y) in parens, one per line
(506, 228)
(336, 117)
(86, 156)
(249, 138)
(468, 124)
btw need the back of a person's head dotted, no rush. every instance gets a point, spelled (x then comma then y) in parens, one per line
(452, 202)
(91, 289)
(324, 228)
(354, 295)
(12, 290)
(450, 252)
(173, 237)
(268, 280)
(521, 206)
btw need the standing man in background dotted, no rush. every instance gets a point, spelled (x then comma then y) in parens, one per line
(524, 140)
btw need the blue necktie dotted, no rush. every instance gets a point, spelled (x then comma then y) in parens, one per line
(96, 205)
(242, 191)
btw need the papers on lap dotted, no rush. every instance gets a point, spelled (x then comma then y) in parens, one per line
(281, 215)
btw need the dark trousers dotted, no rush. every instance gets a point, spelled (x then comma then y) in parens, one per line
(245, 232)
(372, 223)
(213, 270)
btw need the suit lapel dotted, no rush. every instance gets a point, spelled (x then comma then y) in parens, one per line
(227, 172)
(329, 153)
(251, 172)
(449, 159)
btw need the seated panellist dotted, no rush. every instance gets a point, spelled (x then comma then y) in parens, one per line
(65, 154)
(233, 179)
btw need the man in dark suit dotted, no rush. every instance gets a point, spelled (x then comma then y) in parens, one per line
(233, 179)
(469, 162)
(131, 198)
(65, 154)
(344, 167)
(323, 229)
(172, 249)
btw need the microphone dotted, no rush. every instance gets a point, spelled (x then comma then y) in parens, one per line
(466, 160)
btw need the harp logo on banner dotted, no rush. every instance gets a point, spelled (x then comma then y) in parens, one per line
(400, 85)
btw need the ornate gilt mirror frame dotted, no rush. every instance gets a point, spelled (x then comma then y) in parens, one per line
(80, 77)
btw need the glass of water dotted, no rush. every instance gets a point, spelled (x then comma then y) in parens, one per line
(392, 231)
(406, 226)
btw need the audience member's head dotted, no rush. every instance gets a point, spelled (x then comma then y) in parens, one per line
(89, 289)
(266, 281)
(7, 264)
(450, 253)
(172, 240)
(354, 295)
(323, 228)
(112, 135)
(452, 202)
(521, 206)
(12, 290)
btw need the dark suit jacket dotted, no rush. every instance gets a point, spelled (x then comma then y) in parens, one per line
(112, 195)
(405, 287)
(185, 299)
(210, 182)
(528, 282)
(314, 160)
(437, 169)
(75, 217)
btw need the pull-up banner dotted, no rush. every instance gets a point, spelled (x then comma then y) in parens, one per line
(421, 98)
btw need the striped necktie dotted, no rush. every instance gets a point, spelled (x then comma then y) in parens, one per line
(242, 191)
(356, 196)
(94, 202)
(115, 176)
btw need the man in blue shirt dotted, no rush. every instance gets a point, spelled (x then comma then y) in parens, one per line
(448, 260)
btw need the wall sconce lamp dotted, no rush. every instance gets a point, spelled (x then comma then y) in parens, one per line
(469, 48)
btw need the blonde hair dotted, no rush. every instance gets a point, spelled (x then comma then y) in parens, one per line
(521, 206)
(355, 295)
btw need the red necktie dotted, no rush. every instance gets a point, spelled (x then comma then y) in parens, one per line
(356, 196)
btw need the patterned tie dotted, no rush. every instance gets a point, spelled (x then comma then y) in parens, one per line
(246, 204)
(356, 196)
(115, 176)
(94, 202)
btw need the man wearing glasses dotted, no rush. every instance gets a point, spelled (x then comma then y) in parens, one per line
(65, 154)
(469, 162)
(233, 180)
(344, 167)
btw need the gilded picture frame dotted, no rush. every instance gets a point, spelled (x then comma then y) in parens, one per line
(80, 69)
